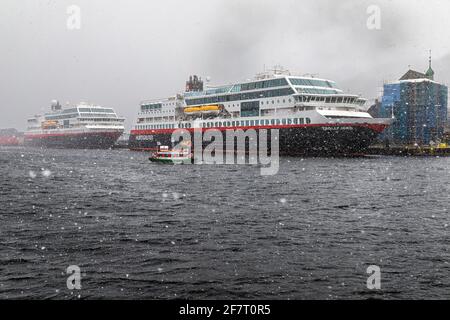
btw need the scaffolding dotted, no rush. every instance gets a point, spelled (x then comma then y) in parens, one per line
(419, 107)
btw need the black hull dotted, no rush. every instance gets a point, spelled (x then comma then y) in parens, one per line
(306, 141)
(78, 141)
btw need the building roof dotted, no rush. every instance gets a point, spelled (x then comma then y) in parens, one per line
(412, 74)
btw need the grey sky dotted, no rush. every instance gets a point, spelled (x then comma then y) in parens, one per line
(127, 51)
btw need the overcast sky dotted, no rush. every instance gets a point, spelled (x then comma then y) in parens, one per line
(130, 50)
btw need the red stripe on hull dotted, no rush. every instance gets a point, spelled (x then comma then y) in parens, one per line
(378, 128)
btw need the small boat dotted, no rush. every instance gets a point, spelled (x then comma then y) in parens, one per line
(172, 156)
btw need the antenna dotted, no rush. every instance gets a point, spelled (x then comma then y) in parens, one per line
(430, 59)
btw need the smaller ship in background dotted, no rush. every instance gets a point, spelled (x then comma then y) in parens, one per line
(10, 137)
(83, 126)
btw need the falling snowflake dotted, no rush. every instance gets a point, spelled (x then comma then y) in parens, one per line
(46, 173)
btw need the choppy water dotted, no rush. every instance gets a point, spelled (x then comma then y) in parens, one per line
(142, 230)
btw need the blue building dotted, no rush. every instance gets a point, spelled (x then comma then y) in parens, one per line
(419, 106)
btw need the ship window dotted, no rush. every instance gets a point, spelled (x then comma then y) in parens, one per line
(247, 123)
(308, 120)
(295, 121)
(302, 121)
(289, 121)
(284, 121)
(267, 122)
(250, 109)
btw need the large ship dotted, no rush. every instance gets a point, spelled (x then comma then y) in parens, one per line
(313, 115)
(83, 126)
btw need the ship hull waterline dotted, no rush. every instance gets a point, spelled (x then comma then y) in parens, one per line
(93, 140)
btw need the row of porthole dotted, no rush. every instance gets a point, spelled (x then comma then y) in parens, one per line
(263, 122)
